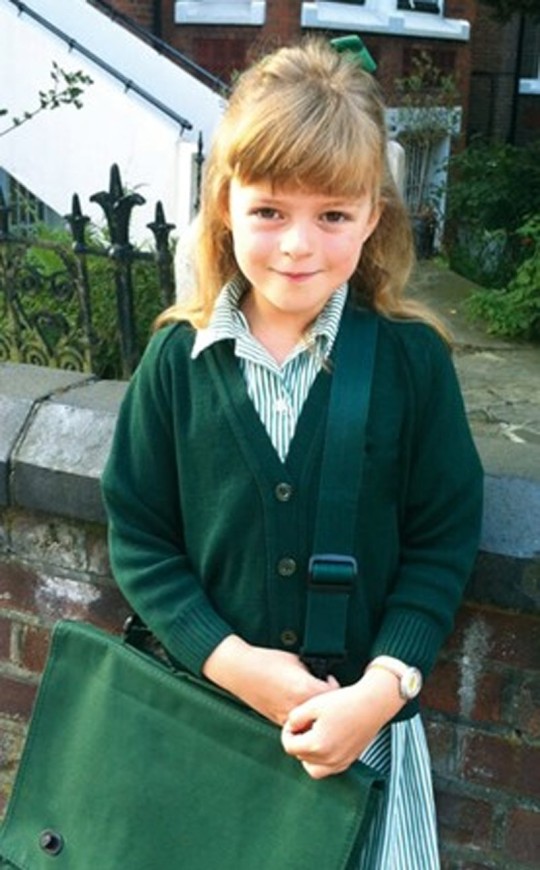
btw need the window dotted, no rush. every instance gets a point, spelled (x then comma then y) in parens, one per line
(388, 17)
(419, 6)
(530, 59)
(212, 12)
(25, 209)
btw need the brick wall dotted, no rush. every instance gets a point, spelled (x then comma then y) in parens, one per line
(528, 120)
(50, 568)
(221, 49)
(494, 47)
(142, 11)
(483, 721)
(481, 704)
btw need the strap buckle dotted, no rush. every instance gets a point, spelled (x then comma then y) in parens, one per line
(331, 572)
(321, 666)
(331, 579)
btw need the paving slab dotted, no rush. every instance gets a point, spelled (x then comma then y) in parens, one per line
(500, 379)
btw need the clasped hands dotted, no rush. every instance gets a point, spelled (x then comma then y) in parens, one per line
(324, 725)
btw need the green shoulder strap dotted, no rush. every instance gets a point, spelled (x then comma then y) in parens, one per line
(333, 569)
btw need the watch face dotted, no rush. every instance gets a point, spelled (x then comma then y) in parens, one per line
(411, 683)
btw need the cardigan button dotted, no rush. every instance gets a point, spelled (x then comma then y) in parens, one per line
(286, 567)
(283, 492)
(288, 637)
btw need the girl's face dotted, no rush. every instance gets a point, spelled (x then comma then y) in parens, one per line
(296, 248)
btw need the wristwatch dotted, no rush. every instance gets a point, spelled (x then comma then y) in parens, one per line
(410, 679)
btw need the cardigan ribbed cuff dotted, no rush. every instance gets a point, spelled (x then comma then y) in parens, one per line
(195, 636)
(410, 636)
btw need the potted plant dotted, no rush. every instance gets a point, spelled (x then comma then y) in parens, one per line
(425, 222)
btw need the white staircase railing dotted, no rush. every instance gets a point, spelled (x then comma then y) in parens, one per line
(142, 111)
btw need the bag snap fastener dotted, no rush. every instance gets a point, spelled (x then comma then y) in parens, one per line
(51, 842)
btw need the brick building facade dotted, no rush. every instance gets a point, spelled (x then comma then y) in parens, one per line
(487, 66)
(503, 57)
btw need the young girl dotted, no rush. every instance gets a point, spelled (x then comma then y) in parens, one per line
(211, 486)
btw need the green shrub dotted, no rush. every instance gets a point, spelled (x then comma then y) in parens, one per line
(494, 185)
(51, 256)
(514, 311)
(492, 191)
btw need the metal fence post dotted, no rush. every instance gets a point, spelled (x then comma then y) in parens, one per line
(117, 207)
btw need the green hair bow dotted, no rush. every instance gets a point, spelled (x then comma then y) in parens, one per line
(354, 46)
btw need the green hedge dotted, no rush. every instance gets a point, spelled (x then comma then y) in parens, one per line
(51, 255)
(493, 214)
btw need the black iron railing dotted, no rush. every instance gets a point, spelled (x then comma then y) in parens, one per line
(87, 302)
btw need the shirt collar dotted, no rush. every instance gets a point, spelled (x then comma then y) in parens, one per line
(228, 322)
(225, 322)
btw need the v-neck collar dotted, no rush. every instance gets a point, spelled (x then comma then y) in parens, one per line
(250, 431)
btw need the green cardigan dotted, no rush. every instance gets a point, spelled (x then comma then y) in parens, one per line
(205, 539)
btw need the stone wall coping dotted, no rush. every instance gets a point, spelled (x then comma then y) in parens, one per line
(55, 434)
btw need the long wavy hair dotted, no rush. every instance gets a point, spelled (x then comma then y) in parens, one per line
(305, 118)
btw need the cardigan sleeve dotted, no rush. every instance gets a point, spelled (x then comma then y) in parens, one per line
(441, 514)
(141, 492)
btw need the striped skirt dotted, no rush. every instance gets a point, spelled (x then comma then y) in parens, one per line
(403, 834)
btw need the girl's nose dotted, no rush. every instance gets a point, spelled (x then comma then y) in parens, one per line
(296, 241)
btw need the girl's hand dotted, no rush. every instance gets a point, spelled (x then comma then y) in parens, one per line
(272, 682)
(329, 732)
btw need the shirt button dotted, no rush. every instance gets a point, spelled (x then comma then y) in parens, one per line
(288, 637)
(283, 492)
(281, 406)
(286, 567)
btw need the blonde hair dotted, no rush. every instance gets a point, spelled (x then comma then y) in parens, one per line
(305, 117)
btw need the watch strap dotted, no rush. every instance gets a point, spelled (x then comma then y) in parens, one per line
(410, 678)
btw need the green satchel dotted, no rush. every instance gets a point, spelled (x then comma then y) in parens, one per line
(132, 763)
(128, 764)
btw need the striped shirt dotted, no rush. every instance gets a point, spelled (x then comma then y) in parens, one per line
(278, 392)
(403, 834)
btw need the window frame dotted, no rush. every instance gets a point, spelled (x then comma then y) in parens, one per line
(529, 85)
(242, 12)
(385, 18)
(436, 7)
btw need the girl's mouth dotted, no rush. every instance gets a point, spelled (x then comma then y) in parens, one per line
(297, 276)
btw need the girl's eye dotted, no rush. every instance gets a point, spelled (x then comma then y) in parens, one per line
(266, 213)
(334, 217)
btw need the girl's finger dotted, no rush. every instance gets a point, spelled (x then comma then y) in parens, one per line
(300, 720)
(298, 744)
(316, 771)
